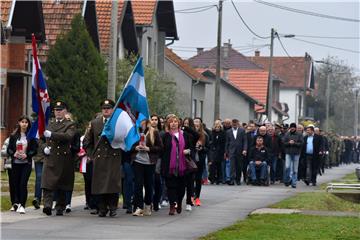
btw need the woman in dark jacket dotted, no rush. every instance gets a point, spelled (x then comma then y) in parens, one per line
(189, 128)
(173, 164)
(144, 157)
(21, 150)
(217, 150)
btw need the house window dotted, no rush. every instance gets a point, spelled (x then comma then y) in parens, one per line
(201, 109)
(148, 51)
(2, 106)
(155, 55)
(194, 110)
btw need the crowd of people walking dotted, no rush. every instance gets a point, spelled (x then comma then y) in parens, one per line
(172, 160)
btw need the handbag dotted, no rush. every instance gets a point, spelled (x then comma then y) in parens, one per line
(190, 165)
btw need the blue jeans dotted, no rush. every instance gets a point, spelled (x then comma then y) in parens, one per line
(227, 169)
(38, 174)
(274, 160)
(263, 170)
(128, 184)
(291, 168)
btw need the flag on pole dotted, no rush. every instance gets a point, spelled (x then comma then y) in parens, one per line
(40, 97)
(311, 83)
(131, 109)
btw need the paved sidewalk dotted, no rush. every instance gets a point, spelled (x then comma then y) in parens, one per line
(222, 206)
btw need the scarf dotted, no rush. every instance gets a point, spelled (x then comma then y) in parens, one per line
(177, 157)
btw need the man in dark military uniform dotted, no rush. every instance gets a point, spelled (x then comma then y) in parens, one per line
(58, 169)
(106, 177)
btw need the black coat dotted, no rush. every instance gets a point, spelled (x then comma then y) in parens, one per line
(235, 147)
(31, 149)
(217, 146)
(317, 149)
(167, 143)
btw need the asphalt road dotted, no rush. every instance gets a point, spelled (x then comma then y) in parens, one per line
(221, 206)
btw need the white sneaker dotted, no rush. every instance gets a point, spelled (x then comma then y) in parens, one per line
(164, 203)
(159, 206)
(147, 210)
(68, 208)
(139, 212)
(53, 206)
(188, 207)
(21, 210)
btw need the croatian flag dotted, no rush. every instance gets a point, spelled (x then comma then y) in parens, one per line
(121, 129)
(40, 97)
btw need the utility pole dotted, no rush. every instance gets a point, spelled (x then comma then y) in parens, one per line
(218, 64)
(270, 81)
(356, 119)
(306, 76)
(327, 99)
(112, 52)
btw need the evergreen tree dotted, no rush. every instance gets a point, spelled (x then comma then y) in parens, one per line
(76, 72)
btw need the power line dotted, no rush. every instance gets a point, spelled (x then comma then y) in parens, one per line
(327, 37)
(247, 26)
(283, 47)
(306, 12)
(196, 9)
(324, 45)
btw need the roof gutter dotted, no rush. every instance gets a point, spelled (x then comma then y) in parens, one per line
(11, 14)
(170, 43)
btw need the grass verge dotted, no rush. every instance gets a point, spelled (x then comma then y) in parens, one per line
(290, 227)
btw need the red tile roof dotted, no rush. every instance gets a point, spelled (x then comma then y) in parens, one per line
(144, 11)
(253, 82)
(103, 12)
(169, 54)
(291, 70)
(207, 59)
(5, 10)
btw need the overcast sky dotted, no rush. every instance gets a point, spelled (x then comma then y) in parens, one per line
(200, 29)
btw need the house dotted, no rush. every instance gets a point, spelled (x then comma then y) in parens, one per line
(190, 85)
(155, 24)
(197, 91)
(127, 40)
(295, 73)
(19, 19)
(247, 76)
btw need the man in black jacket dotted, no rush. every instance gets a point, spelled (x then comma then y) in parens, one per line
(312, 151)
(235, 150)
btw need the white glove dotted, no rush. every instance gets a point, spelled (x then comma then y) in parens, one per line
(47, 150)
(186, 151)
(47, 133)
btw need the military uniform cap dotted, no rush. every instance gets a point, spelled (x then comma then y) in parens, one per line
(60, 105)
(107, 103)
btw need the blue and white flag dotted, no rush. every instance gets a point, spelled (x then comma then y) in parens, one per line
(131, 109)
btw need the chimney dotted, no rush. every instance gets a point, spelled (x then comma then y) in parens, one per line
(257, 53)
(199, 50)
(226, 49)
(225, 74)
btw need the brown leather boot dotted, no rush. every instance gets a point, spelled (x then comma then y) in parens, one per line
(172, 210)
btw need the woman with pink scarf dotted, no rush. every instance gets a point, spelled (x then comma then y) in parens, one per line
(173, 167)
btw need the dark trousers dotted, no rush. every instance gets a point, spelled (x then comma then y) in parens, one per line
(21, 174)
(235, 168)
(311, 170)
(90, 198)
(157, 190)
(175, 189)
(60, 199)
(68, 196)
(144, 178)
(128, 184)
(198, 176)
(245, 163)
(273, 167)
(189, 185)
(38, 174)
(13, 197)
(215, 171)
(108, 201)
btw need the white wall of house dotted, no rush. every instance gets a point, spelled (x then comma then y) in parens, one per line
(232, 104)
(294, 100)
(184, 93)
